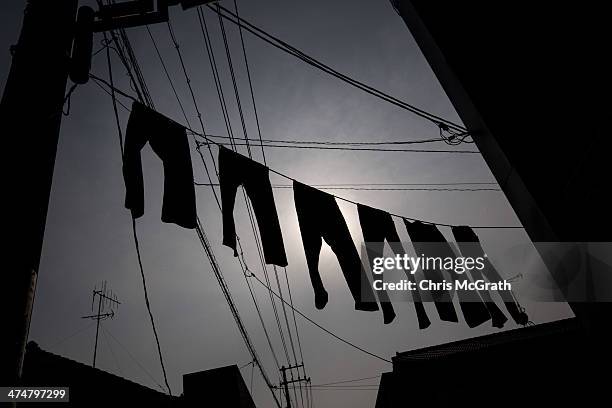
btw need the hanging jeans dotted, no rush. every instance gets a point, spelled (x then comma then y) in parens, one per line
(320, 218)
(377, 226)
(430, 242)
(235, 170)
(469, 244)
(169, 141)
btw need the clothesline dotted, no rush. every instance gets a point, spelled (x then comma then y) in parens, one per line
(209, 140)
(365, 149)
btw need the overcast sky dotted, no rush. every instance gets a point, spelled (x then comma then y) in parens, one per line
(88, 237)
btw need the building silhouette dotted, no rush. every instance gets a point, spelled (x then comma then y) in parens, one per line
(218, 387)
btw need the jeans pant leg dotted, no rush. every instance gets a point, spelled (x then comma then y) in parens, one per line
(395, 243)
(470, 245)
(259, 190)
(310, 225)
(374, 229)
(169, 142)
(136, 136)
(338, 237)
(229, 180)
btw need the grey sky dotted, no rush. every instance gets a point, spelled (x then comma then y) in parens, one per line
(88, 237)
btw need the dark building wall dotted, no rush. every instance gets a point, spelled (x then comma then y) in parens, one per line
(88, 386)
(529, 79)
(537, 366)
(217, 387)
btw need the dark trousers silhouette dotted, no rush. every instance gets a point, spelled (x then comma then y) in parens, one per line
(469, 244)
(320, 219)
(377, 226)
(169, 141)
(236, 170)
(430, 242)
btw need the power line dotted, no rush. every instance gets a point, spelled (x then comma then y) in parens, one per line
(135, 235)
(248, 204)
(320, 326)
(338, 143)
(346, 381)
(365, 149)
(343, 198)
(203, 238)
(323, 187)
(278, 43)
(214, 70)
(221, 280)
(246, 138)
(248, 71)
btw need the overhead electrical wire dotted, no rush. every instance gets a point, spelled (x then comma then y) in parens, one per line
(336, 196)
(337, 143)
(364, 149)
(324, 187)
(257, 122)
(248, 71)
(279, 143)
(210, 54)
(134, 232)
(250, 346)
(337, 337)
(278, 43)
(346, 381)
(248, 205)
(221, 280)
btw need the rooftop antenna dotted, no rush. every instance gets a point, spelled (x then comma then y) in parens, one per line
(107, 305)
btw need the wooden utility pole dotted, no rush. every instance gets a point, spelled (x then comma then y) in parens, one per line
(31, 113)
(285, 383)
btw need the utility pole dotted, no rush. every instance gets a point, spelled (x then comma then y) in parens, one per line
(31, 112)
(106, 301)
(285, 383)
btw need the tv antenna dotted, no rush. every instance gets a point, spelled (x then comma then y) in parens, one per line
(107, 305)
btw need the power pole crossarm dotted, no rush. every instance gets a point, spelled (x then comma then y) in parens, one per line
(285, 383)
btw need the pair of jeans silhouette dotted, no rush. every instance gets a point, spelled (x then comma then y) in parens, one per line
(320, 219)
(378, 226)
(236, 170)
(429, 241)
(469, 244)
(169, 141)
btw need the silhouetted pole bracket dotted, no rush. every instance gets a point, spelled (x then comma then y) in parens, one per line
(138, 12)
(285, 383)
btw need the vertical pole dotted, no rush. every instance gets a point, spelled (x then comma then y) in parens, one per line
(30, 113)
(283, 369)
(97, 329)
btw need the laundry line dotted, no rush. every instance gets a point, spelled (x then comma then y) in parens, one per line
(334, 142)
(318, 145)
(365, 149)
(210, 140)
